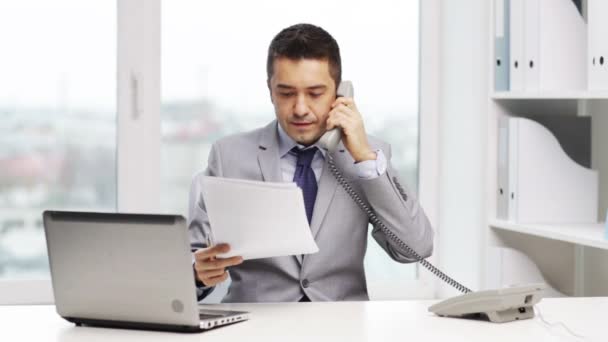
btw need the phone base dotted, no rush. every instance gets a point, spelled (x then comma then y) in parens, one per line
(503, 316)
(509, 315)
(498, 306)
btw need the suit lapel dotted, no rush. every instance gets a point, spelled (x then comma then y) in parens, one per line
(268, 153)
(327, 189)
(268, 159)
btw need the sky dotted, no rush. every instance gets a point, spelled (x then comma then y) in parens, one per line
(58, 53)
(221, 50)
(62, 53)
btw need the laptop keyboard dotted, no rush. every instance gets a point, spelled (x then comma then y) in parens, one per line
(208, 316)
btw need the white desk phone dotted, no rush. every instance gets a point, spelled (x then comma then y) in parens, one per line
(499, 305)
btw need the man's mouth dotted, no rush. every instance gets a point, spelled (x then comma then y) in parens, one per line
(301, 124)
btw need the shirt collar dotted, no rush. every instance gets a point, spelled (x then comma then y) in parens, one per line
(286, 143)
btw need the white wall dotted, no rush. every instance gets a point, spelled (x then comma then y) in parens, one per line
(595, 260)
(599, 154)
(428, 163)
(462, 140)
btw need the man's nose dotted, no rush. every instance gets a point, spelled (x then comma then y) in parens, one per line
(301, 107)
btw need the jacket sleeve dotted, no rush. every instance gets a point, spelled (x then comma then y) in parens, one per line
(401, 213)
(198, 221)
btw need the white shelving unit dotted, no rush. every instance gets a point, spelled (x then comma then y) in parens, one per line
(581, 249)
(591, 235)
(566, 95)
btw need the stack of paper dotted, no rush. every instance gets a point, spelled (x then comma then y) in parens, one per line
(257, 219)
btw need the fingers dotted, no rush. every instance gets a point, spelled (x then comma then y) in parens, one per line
(210, 269)
(345, 105)
(220, 263)
(211, 273)
(346, 101)
(212, 281)
(344, 118)
(211, 252)
(214, 270)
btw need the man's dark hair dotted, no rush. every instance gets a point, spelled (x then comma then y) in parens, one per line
(305, 41)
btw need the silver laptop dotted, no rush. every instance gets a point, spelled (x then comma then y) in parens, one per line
(126, 271)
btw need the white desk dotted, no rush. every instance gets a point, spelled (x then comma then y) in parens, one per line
(344, 321)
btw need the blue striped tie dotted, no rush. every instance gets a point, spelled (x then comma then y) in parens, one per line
(305, 178)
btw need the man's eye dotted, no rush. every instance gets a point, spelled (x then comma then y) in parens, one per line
(286, 94)
(315, 95)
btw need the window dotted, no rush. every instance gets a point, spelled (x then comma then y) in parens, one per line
(214, 84)
(57, 121)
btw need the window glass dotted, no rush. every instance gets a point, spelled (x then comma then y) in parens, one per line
(57, 121)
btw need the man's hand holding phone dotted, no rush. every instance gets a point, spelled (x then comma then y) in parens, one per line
(211, 270)
(345, 115)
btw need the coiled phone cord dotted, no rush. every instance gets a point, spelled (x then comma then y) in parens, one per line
(376, 222)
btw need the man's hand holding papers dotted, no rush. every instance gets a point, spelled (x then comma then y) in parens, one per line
(211, 270)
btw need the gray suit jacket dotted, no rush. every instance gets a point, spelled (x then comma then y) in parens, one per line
(339, 227)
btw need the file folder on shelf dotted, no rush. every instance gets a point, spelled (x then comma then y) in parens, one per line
(545, 184)
(548, 46)
(501, 45)
(516, 45)
(572, 132)
(502, 205)
(598, 45)
(532, 41)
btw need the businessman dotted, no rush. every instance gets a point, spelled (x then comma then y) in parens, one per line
(304, 71)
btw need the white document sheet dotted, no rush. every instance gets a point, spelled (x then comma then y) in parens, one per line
(257, 219)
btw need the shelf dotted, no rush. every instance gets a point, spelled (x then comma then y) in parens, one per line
(591, 235)
(561, 95)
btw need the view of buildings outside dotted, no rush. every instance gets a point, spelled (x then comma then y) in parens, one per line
(57, 121)
(214, 84)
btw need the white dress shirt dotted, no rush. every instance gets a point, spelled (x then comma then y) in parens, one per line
(368, 169)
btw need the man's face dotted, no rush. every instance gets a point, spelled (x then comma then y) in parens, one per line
(302, 92)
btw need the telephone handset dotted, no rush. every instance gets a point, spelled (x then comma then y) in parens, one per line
(331, 138)
(498, 306)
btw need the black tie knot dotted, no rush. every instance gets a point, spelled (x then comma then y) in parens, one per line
(305, 156)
